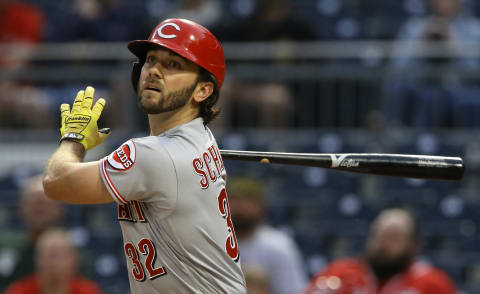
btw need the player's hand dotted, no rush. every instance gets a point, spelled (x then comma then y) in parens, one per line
(80, 123)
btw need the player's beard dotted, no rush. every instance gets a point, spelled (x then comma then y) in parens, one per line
(386, 267)
(168, 102)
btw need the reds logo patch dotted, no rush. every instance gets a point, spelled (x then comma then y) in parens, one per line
(124, 157)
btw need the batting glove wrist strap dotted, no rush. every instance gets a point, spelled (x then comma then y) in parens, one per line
(72, 137)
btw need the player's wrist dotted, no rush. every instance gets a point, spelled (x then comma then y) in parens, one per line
(73, 146)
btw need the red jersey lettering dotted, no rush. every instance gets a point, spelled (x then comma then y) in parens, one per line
(216, 159)
(198, 167)
(208, 160)
(124, 213)
(139, 211)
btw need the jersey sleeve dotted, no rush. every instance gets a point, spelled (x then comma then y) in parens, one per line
(140, 171)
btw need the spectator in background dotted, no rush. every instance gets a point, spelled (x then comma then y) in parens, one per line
(255, 104)
(430, 92)
(56, 262)
(389, 265)
(247, 101)
(270, 21)
(16, 102)
(261, 246)
(21, 22)
(98, 20)
(38, 213)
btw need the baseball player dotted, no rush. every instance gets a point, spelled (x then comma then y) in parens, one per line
(169, 186)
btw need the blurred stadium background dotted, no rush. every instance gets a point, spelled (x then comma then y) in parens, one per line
(302, 76)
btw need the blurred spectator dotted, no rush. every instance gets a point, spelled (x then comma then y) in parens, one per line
(17, 102)
(98, 20)
(21, 22)
(270, 21)
(447, 22)
(56, 262)
(248, 102)
(431, 91)
(38, 213)
(389, 265)
(261, 246)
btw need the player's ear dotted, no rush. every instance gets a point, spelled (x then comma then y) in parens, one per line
(202, 91)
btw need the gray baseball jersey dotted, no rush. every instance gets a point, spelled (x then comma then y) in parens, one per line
(174, 213)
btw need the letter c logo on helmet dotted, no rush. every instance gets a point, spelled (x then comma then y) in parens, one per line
(171, 36)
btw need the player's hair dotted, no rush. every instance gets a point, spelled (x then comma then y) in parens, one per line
(208, 111)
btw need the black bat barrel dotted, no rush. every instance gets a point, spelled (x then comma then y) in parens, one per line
(399, 165)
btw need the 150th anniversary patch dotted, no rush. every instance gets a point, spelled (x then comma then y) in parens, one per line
(124, 157)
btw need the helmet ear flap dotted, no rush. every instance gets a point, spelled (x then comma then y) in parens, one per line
(135, 75)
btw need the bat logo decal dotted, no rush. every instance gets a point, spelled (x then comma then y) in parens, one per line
(343, 161)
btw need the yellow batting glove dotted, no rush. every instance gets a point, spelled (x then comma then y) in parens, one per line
(80, 123)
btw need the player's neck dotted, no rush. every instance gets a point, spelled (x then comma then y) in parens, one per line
(160, 123)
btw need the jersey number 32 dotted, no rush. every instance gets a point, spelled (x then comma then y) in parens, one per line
(146, 247)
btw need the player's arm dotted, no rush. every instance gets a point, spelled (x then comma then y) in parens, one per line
(67, 178)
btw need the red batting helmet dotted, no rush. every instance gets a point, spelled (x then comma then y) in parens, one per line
(186, 38)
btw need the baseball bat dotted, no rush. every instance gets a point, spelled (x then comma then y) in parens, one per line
(399, 165)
